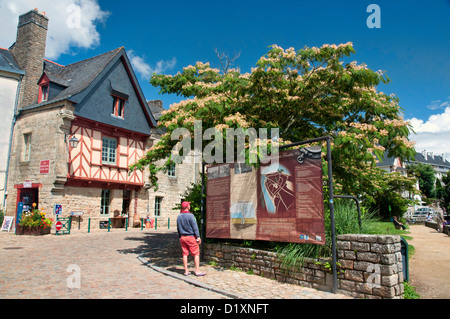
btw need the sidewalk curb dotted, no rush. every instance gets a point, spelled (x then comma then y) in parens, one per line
(188, 279)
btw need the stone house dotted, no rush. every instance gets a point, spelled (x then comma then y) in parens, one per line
(77, 129)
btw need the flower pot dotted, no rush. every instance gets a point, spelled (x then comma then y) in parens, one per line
(32, 231)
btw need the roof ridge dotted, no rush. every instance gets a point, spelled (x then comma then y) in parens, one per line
(99, 55)
(54, 62)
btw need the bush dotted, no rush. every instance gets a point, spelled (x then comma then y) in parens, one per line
(346, 222)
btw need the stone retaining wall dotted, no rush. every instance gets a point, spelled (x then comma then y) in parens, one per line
(369, 266)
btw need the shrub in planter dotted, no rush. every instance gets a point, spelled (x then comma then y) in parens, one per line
(34, 222)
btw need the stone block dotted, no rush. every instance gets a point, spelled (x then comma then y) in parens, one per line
(358, 246)
(367, 238)
(384, 292)
(389, 281)
(367, 256)
(343, 245)
(354, 275)
(388, 239)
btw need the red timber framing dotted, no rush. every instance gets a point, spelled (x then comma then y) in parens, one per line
(85, 161)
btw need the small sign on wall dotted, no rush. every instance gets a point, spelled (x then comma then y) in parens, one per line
(44, 167)
(57, 209)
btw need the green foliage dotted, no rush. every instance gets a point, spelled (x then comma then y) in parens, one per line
(445, 201)
(426, 177)
(35, 218)
(194, 195)
(306, 93)
(410, 291)
(346, 222)
(387, 199)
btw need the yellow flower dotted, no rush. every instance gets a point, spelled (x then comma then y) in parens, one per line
(34, 205)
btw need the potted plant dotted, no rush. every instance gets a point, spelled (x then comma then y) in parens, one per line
(34, 223)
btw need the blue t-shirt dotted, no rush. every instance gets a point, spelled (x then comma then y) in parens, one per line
(187, 225)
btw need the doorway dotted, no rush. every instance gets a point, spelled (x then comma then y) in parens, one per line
(126, 201)
(27, 196)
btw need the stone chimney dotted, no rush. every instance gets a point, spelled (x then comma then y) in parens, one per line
(29, 51)
(424, 153)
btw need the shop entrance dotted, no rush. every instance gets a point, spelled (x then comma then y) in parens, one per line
(126, 201)
(27, 196)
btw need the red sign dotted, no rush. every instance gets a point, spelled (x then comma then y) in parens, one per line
(58, 225)
(277, 202)
(44, 168)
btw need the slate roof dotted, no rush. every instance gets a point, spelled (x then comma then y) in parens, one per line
(77, 80)
(436, 160)
(156, 108)
(77, 76)
(8, 63)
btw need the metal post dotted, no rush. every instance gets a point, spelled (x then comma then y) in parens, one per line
(142, 223)
(333, 226)
(168, 223)
(203, 219)
(109, 224)
(357, 206)
(156, 223)
(89, 225)
(126, 224)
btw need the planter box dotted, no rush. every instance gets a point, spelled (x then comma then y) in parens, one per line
(32, 231)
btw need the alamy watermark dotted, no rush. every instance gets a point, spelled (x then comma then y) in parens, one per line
(74, 279)
(374, 19)
(257, 142)
(73, 20)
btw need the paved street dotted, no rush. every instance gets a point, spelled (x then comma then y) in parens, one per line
(110, 267)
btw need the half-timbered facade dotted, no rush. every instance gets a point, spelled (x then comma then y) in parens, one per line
(77, 130)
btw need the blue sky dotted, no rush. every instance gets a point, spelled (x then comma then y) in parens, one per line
(412, 45)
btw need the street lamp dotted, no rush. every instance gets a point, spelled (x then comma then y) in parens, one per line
(73, 142)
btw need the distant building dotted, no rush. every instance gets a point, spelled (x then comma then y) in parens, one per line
(439, 163)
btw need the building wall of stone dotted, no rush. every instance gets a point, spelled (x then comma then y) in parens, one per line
(172, 188)
(47, 143)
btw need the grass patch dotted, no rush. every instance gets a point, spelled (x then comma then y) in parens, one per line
(410, 292)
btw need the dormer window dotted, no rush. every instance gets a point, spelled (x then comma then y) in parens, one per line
(44, 87)
(43, 94)
(118, 109)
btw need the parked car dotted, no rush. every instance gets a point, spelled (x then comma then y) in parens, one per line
(421, 213)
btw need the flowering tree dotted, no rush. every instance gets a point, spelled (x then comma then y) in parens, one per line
(305, 94)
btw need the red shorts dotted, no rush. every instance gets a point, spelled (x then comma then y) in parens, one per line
(189, 245)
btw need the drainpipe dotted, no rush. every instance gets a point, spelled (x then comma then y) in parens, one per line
(13, 123)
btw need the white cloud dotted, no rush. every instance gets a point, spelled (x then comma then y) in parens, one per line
(72, 23)
(145, 70)
(439, 104)
(433, 134)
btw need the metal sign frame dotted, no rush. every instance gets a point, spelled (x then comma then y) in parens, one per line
(66, 225)
(331, 204)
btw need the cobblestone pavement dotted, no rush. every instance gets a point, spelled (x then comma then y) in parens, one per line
(133, 264)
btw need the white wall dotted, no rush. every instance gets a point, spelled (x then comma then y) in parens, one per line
(8, 91)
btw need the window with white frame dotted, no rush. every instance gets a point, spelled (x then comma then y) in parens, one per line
(158, 201)
(171, 170)
(109, 147)
(105, 202)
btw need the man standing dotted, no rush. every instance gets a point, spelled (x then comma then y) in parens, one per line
(189, 238)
